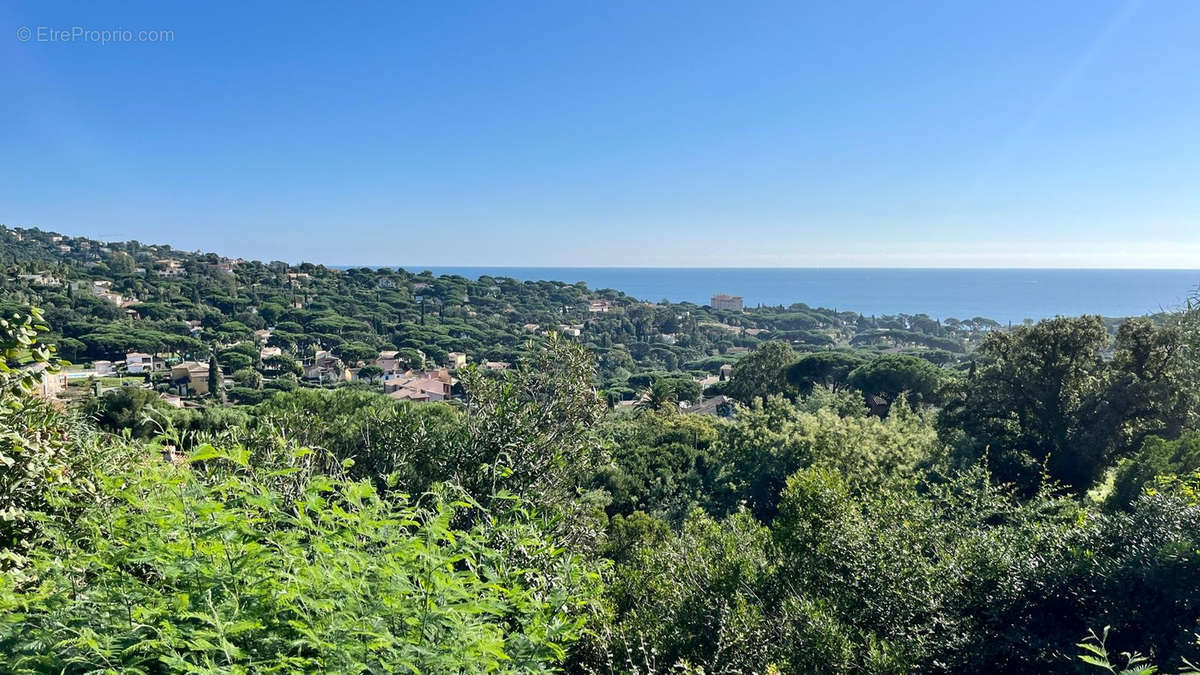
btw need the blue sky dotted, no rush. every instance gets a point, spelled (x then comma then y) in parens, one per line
(945, 134)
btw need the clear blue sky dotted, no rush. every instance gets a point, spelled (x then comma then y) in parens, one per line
(1016, 133)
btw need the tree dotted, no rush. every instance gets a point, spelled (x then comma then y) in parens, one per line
(120, 263)
(30, 457)
(1156, 458)
(761, 373)
(141, 411)
(1046, 397)
(685, 388)
(413, 358)
(435, 354)
(700, 597)
(271, 311)
(235, 360)
(893, 374)
(829, 369)
(283, 364)
(370, 373)
(19, 340)
(214, 377)
(248, 378)
(1151, 387)
(659, 396)
(765, 444)
(71, 349)
(532, 431)
(234, 329)
(355, 352)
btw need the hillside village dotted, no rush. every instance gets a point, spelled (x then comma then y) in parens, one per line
(150, 316)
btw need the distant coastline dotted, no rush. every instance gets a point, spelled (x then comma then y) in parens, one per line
(1008, 295)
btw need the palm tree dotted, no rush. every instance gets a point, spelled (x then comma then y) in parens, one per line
(660, 396)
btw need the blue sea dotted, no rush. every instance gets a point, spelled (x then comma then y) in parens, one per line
(1006, 295)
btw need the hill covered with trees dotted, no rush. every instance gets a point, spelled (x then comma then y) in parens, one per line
(1028, 501)
(105, 300)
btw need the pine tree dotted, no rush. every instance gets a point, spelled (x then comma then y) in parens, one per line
(214, 376)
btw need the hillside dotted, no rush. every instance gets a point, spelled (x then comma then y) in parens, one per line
(108, 299)
(1041, 507)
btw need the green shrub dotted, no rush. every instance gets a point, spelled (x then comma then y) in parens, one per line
(221, 566)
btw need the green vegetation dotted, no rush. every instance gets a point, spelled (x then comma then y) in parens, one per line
(1031, 504)
(105, 300)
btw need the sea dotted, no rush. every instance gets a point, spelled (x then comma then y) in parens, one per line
(1005, 295)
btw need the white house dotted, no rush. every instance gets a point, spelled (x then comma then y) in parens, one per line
(136, 363)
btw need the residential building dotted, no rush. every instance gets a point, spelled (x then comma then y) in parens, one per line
(418, 385)
(169, 267)
(137, 363)
(40, 279)
(730, 302)
(114, 298)
(325, 367)
(388, 361)
(456, 360)
(409, 395)
(721, 406)
(599, 306)
(103, 290)
(191, 377)
(51, 384)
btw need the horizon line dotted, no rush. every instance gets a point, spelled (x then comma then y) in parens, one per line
(111, 240)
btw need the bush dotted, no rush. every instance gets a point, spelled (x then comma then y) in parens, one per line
(223, 566)
(1157, 457)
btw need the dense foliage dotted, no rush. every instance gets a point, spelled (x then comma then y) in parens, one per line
(1032, 499)
(107, 299)
(275, 556)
